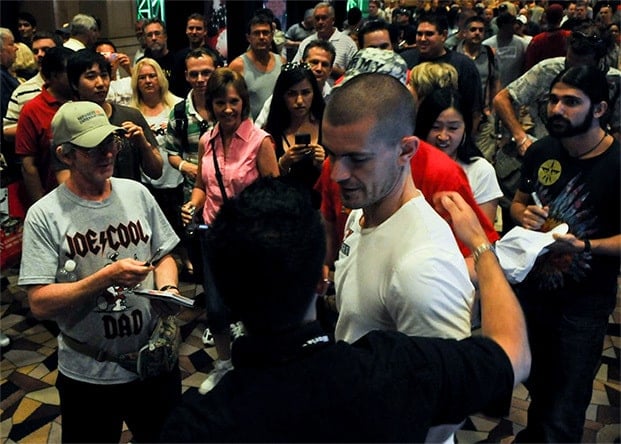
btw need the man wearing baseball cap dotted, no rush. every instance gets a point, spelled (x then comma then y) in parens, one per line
(107, 236)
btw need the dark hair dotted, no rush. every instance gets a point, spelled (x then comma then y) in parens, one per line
(323, 44)
(218, 84)
(279, 117)
(260, 18)
(588, 79)
(196, 16)
(55, 61)
(205, 51)
(474, 18)
(27, 17)
(104, 42)
(152, 21)
(354, 15)
(379, 25)
(433, 105)
(380, 96)
(438, 20)
(266, 247)
(80, 61)
(40, 35)
(590, 38)
(505, 18)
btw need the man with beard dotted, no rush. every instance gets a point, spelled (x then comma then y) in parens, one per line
(156, 40)
(571, 291)
(587, 45)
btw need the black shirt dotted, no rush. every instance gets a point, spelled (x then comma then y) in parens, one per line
(385, 387)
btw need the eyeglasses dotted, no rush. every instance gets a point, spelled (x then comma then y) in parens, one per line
(204, 73)
(113, 144)
(291, 66)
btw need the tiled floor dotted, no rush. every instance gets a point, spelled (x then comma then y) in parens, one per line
(29, 411)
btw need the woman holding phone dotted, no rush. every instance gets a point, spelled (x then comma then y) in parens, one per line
(231, 156)
(294, 121)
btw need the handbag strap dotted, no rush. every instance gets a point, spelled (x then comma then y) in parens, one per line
(217, 167)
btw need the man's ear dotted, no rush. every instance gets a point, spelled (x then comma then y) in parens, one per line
(64, 158)
(600, 109)
(409, 146)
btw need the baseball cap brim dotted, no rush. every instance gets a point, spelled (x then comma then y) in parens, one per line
(93, 137)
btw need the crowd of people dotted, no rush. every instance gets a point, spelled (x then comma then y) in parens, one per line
(337, 193)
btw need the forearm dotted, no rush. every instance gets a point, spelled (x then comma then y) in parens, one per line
(489, 209)
(504, 109)
(519, 206)
(610, 246)
(9, 132)
(166, 272)
(197, 199)
(152, 162)
(501, 314)
(175, 160)
(32, 182)
(51, 300)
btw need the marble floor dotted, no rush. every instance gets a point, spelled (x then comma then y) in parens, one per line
(29, 411)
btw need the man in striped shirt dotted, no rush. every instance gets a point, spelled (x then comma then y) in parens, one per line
(41, 42)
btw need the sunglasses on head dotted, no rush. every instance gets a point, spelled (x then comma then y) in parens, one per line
(295, 65)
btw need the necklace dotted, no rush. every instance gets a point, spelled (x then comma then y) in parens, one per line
(589, 151)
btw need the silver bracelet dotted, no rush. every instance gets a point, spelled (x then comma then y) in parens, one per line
(476, 254)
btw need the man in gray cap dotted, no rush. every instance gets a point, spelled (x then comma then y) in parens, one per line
(81, 268)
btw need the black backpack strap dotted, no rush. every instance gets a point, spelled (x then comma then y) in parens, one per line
(490, 68)
(181, 125)
(217, 168)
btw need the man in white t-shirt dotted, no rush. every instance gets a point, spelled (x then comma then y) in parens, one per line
(399, 266)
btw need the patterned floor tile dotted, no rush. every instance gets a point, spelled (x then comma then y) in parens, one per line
(29, 405)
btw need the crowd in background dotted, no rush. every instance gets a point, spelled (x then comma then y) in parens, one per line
(201, 124)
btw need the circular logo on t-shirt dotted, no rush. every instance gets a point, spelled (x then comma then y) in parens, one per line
(549, 172)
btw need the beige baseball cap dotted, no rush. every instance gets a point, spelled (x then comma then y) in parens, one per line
(82, 123)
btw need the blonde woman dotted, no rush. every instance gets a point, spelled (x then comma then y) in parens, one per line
(151, 97)
(429, 76)
(25, 65)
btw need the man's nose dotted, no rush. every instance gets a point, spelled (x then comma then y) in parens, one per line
(339, 171)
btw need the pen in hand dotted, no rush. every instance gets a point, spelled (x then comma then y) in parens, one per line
(536, 199)
(148, 263)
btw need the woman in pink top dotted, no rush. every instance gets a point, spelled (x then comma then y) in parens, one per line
(232, 155)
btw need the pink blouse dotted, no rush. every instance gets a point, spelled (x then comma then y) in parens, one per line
(238, 165)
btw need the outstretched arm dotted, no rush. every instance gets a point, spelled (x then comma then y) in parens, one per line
(501, 315)
(503, 106)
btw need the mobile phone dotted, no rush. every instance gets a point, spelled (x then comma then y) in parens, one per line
(302, 139)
